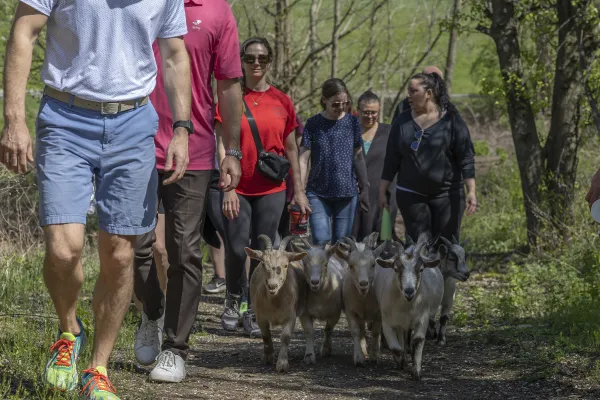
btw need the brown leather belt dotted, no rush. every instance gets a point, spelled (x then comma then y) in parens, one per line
(101, 107)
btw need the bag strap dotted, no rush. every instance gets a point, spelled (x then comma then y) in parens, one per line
(259, 146)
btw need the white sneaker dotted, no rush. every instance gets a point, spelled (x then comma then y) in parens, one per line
(169, 368)
(148, 339)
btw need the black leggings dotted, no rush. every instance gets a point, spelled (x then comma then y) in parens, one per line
(259, 215)
(440, 216)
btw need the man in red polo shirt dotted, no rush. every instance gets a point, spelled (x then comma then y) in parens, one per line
(213, 46)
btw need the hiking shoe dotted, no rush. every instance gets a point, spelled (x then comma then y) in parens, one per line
(97, 386)
(250, 326)
(61, 369)
(170, 368)
(216, 285)
(148, 339)
(231, 313)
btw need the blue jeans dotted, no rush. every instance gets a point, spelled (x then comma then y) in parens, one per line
(74, 145)
(325, 210)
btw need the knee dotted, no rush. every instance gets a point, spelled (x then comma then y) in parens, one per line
(63, 256)
(63, 247)
(117, 251)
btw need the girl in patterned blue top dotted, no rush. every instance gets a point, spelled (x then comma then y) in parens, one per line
(332, 142)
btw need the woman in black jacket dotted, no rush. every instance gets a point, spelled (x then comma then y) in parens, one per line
(431, 151)
(375, 137)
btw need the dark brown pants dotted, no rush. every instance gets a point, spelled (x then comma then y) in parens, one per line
(185, 205)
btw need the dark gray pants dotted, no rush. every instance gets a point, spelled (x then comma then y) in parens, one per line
(185, 204)
(259, 215)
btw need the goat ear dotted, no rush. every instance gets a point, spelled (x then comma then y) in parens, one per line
(255, 254)
(443, 250)
(295, 256)
(386, 263)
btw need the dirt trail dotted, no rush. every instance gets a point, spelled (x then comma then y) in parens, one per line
(228, 366)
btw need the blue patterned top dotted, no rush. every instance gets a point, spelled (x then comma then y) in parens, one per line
(332, 145)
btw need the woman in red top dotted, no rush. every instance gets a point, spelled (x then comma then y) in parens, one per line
(255, 207)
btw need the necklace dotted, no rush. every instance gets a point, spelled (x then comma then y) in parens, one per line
(261, 96)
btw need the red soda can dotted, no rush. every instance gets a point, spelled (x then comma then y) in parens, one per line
(298, 221)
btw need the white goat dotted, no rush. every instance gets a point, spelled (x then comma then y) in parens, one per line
(323, 275)
(360, 303)
(409, 290)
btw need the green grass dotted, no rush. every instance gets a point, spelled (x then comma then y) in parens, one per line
(28, 325)
(545, 304)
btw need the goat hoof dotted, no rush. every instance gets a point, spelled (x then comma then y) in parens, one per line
(441, 341)
(282, 366)
(359, 361)
(310, 359)
(416, 375)
(268, 359)
(326, 352)
(374, 359)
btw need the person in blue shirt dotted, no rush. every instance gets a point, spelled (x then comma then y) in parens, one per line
(333, 144)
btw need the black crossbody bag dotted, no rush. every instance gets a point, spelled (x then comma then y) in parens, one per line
(272, 165)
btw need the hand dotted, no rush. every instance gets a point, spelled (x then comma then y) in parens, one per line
(301, 200)
(594, 192)
(363, 201)
(470, 203)
(384, 201)
(231, 205)
(230, 173)
(15, 146)
(178, 149)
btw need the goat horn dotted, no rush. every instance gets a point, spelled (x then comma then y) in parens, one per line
(446, 242)
(425, 256)
(306, 243)
(267, 241)
(284, 242)
(350, 243)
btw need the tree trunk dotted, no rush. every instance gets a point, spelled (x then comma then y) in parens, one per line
(522, 120)
(450, 58)
(286, 48)
(335, 38)
(371, 64)
(314, 13)
(563, 139)
(278, 50)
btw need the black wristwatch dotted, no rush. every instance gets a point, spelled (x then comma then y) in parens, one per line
(234, 153)
(184, 124)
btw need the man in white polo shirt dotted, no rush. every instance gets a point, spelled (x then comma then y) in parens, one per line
(95, 121)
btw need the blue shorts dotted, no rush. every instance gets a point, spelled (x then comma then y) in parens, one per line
(74, 145)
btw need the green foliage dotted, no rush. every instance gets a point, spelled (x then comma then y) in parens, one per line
(499, 225)
(481, 148)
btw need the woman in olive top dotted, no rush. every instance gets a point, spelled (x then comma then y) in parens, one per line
(375, 137)
(431, 151)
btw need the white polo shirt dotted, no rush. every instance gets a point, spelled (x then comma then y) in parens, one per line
(101, 50)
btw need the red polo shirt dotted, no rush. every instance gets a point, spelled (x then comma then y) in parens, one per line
(213, 45)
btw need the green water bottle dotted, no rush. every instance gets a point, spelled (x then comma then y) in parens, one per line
(386, 225)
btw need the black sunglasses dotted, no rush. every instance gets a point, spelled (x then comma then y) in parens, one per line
(415, 145)
(251, 59)
(339, 104)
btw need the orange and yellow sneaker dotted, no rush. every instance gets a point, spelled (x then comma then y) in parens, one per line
(61, 370)
(97, 386)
